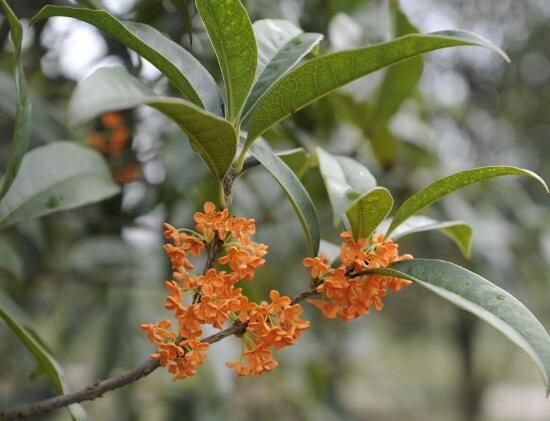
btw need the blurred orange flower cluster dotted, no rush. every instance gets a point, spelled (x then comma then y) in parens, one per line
(347, 293)
(114, 142)
(211, 298)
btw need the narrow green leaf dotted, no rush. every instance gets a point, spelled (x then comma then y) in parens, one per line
(295, 191)
(346, 181)
(50, 366)
(232, 37)
(113, 88)
(22, 129)
(458, 231)
(369, 211)
(281, 46)
(182, 69)
(320, 76)
(444, 186)
(485, 300)
(54, 177)
(296, 159)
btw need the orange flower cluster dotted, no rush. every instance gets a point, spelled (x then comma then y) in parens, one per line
(346, 293)
(114, 142)
(211, 298)
(277, 325)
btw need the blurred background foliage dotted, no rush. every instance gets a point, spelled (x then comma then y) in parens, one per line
(86, 279)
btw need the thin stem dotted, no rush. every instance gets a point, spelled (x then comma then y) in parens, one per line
(240, 162)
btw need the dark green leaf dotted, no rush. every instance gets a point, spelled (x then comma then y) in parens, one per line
(369, 211)
(232, 37)
(485, 300)
(322, 75)
(113, 88)
(178, 65)
(50, 366)
(458, 231)
(295, 191)
(346, 181)
(58, 176)
(22, 129)
(444, 186)
(281, 46)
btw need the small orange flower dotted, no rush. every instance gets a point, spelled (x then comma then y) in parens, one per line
(319, 266)
(347, 293)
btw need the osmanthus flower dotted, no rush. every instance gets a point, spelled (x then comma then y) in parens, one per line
(211, 298)
(348, 293)
(274, 325)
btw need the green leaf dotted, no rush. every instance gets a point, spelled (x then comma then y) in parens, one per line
(232, 37)
(295, 191)
(113, 88)
(369, 211)
(296, 159)
(22, 129)
(320, 76)
(281, 46)
(458, 231)
(485, 300)
(10, 261)
(54, 177)
(346, 181)
(50, 366)
(182, 69)
(444, 186)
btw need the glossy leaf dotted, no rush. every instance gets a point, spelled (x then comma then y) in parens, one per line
(444, 186)
(54, 177)
(281, 46)
(369, 211)
(182, 69)
(22, 128)
(295, 191)
(320, 76)
(232, 37)
(458, 231)
(346, 181)
(113, 88)
(485, 300)
(51, 367)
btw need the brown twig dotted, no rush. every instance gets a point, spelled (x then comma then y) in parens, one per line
(98, 389)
